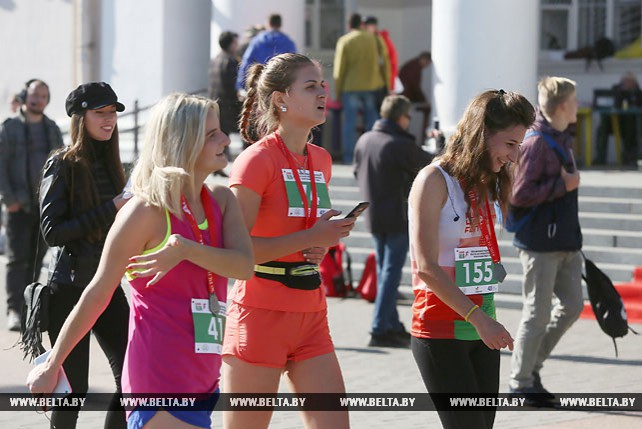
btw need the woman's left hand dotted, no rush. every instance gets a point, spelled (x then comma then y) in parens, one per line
(158, 263)
(314, 255)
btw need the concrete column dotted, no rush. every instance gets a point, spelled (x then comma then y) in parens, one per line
(479, 45)
(236, 15)
(154, 47)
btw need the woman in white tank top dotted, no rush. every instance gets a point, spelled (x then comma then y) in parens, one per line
(455, 258)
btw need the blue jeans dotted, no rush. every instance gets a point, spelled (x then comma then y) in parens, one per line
(391, 251)
(353, 101)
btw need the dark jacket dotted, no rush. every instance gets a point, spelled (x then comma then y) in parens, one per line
(554, 223)
(410, 77)
(386, 161)
(223, 72)
(65, 227)
(14, 170)
(633, 97)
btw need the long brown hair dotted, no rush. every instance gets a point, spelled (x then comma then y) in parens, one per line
(467, 157)
(78, 157)
(259, 116)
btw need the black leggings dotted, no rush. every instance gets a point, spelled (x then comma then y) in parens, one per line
(111, 332)
(458, 366)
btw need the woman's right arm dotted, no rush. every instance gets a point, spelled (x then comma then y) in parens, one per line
(131, 233)
(57, 227)
(427, 197)
(324, 233)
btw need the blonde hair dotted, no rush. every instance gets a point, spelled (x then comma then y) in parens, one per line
(553, 91)
(174, 138)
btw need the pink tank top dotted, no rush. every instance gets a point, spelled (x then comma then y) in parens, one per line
(160, 354)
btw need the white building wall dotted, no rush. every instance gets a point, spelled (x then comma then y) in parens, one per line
(36, 43)
(238, 15)
(186, 45)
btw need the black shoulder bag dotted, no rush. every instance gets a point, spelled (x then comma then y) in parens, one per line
(35, 313)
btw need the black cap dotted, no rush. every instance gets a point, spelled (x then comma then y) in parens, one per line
(92, 96)
(371, 20)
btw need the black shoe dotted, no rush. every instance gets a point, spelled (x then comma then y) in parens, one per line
(389, 339)
(532, 397)
(403, 334)
(537, 384)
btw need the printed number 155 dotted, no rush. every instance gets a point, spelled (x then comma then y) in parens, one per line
(478, 271)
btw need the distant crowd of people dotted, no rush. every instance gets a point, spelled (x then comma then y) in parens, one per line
(177, 239)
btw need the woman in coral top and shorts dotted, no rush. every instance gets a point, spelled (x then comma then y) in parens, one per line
(277, 321)
(455, 259)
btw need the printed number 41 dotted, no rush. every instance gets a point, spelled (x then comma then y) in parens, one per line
(216, 327)
(478, 274)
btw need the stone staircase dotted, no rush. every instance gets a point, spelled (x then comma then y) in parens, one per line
(610, 215)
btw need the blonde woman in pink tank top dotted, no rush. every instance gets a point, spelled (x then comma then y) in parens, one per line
(194, 238)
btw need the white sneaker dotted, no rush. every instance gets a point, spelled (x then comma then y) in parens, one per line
(13, 320)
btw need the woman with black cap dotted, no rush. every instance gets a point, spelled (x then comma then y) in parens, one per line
(80, 193)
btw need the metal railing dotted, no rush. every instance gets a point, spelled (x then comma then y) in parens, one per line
(136, 118)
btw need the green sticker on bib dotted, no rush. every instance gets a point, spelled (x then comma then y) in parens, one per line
(295, 204)
(208, 328)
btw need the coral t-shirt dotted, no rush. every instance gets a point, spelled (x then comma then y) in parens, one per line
(264, 169)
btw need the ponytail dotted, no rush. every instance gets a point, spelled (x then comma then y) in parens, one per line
(249, 105)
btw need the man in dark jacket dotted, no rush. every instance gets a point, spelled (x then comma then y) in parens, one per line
(626, 93)
(548, 236)
(410, 76)
(25, 143)
(223, 72)
(386, 161)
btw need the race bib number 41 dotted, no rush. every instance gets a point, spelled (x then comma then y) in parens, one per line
(474, 270)
(208, 328)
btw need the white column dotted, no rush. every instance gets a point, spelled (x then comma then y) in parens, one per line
(237, 15)
(479, 45)
(154, 47)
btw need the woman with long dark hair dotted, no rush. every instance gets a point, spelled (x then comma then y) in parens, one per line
(80, 194)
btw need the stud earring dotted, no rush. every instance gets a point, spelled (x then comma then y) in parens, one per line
(284, 109)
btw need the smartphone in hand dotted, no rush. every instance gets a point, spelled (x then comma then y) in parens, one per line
(358, 209)
(62, 386)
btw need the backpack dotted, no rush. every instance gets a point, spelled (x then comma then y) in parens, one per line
(335, 280)
(606, 302)
(368, 284)
(519, 216)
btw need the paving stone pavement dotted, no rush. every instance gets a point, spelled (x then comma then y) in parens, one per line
(583, 362)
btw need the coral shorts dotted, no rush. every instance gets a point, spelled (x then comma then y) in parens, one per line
(272, 338)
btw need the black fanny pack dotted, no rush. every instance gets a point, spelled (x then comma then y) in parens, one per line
(295, 275)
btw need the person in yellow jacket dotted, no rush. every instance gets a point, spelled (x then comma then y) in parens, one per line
(359, 78)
